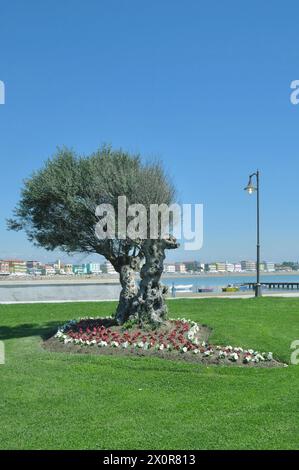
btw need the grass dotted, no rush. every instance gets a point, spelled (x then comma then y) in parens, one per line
(63, 401)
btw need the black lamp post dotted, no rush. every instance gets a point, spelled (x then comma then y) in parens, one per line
(250, 188)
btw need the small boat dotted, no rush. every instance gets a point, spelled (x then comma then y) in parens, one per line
(183, 288)
(205, 289)
(230, 288)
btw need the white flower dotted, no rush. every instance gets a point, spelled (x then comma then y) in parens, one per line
(141, 344)
(115, 344)
(222, 354)
(125, 344)
(233, 356)
(260, 357)
(247, 359)
(207, 352)
(102, 344)
(67, 340)
(184, 349)
(161, 347)
(192, 332)
(270, 356)
(196, 351)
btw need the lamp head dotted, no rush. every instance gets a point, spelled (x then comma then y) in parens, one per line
(250, 188)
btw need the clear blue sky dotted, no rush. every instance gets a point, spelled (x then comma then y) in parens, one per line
(204, 85)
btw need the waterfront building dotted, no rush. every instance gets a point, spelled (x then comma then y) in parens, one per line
(68, 268)
(180, 268)
(229, 267)
(57, 266)
(93, 268)
(18, 267)
(79, 269)
(33, 264)
(169, 268)
(4, 267)
(38, 271)
(48, 270)
(211, 267)
(269, 266)
(221, 266)
(237, 267)
(108, 268)
(34, 268)
(262, 266)
(248, 265)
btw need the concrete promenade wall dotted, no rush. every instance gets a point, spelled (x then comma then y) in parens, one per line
(35, 291)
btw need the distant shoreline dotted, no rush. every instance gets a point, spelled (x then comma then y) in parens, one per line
(114, 279)
(227, 274)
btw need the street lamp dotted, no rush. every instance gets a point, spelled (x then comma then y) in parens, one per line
(250, 188)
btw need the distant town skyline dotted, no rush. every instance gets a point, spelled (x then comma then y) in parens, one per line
(51, 257)
(11, 267)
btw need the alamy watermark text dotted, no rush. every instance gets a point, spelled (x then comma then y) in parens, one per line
(135, 221)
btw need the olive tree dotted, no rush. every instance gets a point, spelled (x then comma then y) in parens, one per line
(57, 210)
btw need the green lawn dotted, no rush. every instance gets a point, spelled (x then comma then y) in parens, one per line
(63, 401)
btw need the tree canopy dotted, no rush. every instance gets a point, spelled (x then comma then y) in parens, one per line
(57, 207)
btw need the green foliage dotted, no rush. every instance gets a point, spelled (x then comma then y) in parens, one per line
(58, 202)
(135, 323)
(193, 266)
(289, 264)
(129, 324)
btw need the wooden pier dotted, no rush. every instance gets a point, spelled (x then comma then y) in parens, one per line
(274, 285)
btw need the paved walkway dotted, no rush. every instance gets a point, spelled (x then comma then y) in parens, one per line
(191, 297)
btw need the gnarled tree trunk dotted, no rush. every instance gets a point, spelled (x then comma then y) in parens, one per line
(127, 267)
(151, 307)
(128, 294)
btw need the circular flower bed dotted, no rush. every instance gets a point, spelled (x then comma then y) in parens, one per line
(178, 336)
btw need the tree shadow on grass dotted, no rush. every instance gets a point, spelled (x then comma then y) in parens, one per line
(45, 330)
